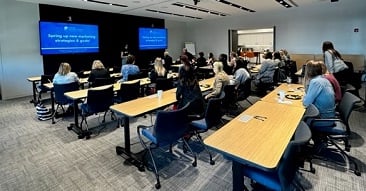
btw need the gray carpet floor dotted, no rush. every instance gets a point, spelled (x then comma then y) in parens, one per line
(37, 155)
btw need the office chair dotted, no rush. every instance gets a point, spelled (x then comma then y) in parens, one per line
(135, 76)
(169, 127)
(98, 100)
(164, 84)
(128, 91)
(60, 98)
(212, 117)
(302, 138)
(42, 89)
(101, 82)
(338, 128)
(230, 99)
(311, 113)
(244, 91)
(284, 175)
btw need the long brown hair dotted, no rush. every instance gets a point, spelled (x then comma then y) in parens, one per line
(328, 46)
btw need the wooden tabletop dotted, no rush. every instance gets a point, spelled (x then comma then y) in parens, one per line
(291, 91)
(149, 103)
(258, 142)
(34, 79)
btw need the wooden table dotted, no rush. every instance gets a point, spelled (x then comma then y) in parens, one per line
(34, 80)
(291, 90)
(141, 106)
(259, 141)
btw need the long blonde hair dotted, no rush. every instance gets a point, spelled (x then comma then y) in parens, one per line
(158, 66)
(97, 64)
(64, 68)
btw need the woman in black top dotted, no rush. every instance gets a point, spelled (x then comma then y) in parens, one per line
(188, 90)
(98, 71)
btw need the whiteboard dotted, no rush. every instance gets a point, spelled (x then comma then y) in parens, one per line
(190, 47)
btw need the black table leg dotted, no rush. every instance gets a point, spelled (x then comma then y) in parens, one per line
(131, 158)
(53, 106)
(34, 101)
(75, 126)
(238, 177)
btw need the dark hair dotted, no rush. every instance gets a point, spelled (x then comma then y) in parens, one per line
(277, 55)
(327, 45)
(268, 55)
(210, 55)
(130, 59)
(313, 68)
(187, 76)
(223, 58)
(234, 54)
(201, 54)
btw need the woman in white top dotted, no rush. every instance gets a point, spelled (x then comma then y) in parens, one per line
(64, 75)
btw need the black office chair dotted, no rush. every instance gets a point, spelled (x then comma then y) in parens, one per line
(284, 175)
(244, 91)
(128, 91)
(212, 118)
(98, 100)
(338, 129)
(135, 76)
(42, 89)
(60, 98)
(101, 82)
(164, 84)
(230, 99)
(169, 127)
(302, 138)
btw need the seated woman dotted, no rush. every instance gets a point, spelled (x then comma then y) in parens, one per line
(221, 80)
(264, 79)
(188, 90)
(129, 67)
(158, 71)
(98, 71)
(64, 75)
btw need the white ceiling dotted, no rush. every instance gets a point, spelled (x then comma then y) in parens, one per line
(140, 7)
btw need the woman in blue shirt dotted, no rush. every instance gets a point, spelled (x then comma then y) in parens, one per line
(320, 91)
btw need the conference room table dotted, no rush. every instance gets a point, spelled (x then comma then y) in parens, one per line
(142, 106)
(34, 80)
(83, 93)
(293, 95)
(257, 137)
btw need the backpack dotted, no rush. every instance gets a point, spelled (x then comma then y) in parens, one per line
(43, 113)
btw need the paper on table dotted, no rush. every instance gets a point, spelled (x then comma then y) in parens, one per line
(285, 101)
(245, 118)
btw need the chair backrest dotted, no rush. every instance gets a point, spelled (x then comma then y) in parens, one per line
(46, 79)
(346, 105)
(102, 81)
(171, 125)
(61, 89)
(245, 90)
(302, 134)
(100, 100)
(213, 112)
(134, 76)
(230, 94)
(311, 113)
(129, 91)
(164, 84)
(288, 166)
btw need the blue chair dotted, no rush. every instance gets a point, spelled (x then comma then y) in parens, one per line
(98, 100)
(213, 115)
(283, 176)
(338, 129)
(60, 98)
(169, 127)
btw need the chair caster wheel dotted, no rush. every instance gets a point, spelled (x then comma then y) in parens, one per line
(194, 164)
(212, 162)
(81, 136)
(69, 128)
(141, 168)
(358, 173)
(347, 149)
(157, 186)
(87, 137)
(118, 151)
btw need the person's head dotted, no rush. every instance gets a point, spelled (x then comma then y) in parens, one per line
(201, 54)
(184, 60)
(277, 55)
(97, 64)
(327, 45)
(223, 58)
(313, 68)
(210, 55)
(233, 55)
(130, 59)
(159, 67)
(64, 68)
(267, 55)
(218, 67)
(324, 68)
(166, 53)
(185, 50)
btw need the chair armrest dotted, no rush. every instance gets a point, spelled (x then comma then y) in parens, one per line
(195, 117)
(314, 121)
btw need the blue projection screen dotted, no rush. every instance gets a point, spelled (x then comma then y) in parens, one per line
(152, 38)
(68, 38)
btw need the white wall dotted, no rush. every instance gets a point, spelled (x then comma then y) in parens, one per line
(297, 30)
(176, 37)
(19, 48)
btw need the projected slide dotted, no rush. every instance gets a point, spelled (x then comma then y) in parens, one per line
(68, 38)
(152, 38)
